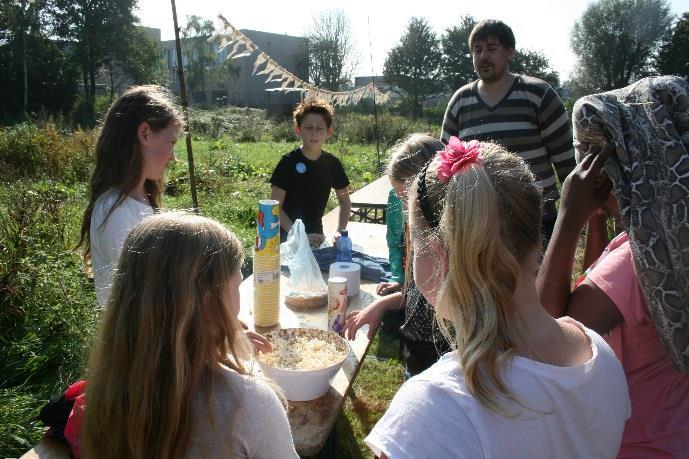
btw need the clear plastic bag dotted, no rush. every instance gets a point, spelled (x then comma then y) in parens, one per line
(307, 287)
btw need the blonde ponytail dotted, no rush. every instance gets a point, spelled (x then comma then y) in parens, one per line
(489, 222)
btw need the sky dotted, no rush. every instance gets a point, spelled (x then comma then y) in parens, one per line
(377, 25)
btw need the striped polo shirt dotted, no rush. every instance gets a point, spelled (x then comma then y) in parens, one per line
(529, 121)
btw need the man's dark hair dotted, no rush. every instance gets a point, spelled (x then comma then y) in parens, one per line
(492, 28)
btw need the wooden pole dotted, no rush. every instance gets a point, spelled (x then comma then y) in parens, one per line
(24, 22)
(185, 111)
(375, 106)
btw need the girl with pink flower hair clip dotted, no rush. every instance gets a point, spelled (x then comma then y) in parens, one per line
(457, 155)
(518, 382)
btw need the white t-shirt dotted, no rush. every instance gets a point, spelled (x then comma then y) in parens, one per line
(434, 416)
(248, 421)
(107, 240)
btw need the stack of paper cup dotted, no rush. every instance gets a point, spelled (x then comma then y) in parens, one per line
(267, 264)
(351, 272)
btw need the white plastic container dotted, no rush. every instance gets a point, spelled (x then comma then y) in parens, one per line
(302, 385)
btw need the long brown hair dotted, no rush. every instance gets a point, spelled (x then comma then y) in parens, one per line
(410, 155)
(407, 158)
(489, 223)
(118, 153)
(165, 333)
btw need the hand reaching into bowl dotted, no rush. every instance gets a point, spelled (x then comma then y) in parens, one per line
(259, 342)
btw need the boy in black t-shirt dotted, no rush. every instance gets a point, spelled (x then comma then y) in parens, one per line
(303, 178)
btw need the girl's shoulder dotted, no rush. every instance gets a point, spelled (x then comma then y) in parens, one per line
(253, 390)
(103, 207)
(110, 205)
(602, 358)
(445, 375)
(106, 201)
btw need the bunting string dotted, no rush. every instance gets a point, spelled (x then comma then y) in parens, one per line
(242, 46)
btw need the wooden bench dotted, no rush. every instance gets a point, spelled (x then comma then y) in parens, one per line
(370, 202)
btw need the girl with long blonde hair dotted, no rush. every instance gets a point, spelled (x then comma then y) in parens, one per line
(168, 373)
(133, 149)
(518, 383)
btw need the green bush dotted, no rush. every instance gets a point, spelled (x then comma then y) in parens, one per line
(435, 114)
(48, 310)
(29, 151)
(101, 107)
(283, 131)
(251, 125)
(242, 124)
(361, 128)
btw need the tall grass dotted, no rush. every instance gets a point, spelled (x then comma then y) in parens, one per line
(47, 313)
(29, 151)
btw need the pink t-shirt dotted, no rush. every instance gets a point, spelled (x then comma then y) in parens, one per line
(659, 425)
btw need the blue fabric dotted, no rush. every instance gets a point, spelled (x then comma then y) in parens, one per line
(375, 269)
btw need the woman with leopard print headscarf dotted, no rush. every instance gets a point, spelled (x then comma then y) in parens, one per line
(633, 148)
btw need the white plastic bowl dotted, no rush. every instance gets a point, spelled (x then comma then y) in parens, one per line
(302, 385)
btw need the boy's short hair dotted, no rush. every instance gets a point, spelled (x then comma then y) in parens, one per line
(492, 28)
(313, 105)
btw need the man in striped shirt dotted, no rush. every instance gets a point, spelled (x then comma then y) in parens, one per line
(522, 113)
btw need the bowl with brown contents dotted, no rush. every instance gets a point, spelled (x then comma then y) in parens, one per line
(306, 299)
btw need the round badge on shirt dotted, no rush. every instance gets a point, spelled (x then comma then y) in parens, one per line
(301, 167)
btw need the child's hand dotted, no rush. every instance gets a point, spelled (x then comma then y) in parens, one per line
(584, 190)
(315, 240)
(370, 316)
(386, 288)
(259, 342)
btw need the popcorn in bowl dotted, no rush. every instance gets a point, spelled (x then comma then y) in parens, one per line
(303, 361)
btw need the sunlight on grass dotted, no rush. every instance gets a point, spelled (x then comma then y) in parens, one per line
(379, 379)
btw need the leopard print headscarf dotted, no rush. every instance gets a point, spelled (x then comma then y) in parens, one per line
(648, 124)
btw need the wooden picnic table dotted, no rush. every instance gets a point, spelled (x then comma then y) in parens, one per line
(369, 202)
(312, 421)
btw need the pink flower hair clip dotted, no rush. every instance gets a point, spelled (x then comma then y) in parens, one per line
(457, 156)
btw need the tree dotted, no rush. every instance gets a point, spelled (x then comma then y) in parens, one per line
(616, 39)
(673, 58)
(413, 65)
(532, 63)
(93, 28)
(141, 59)
(331, 50)
(457, 65)
(34, 72)
(201, 60)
